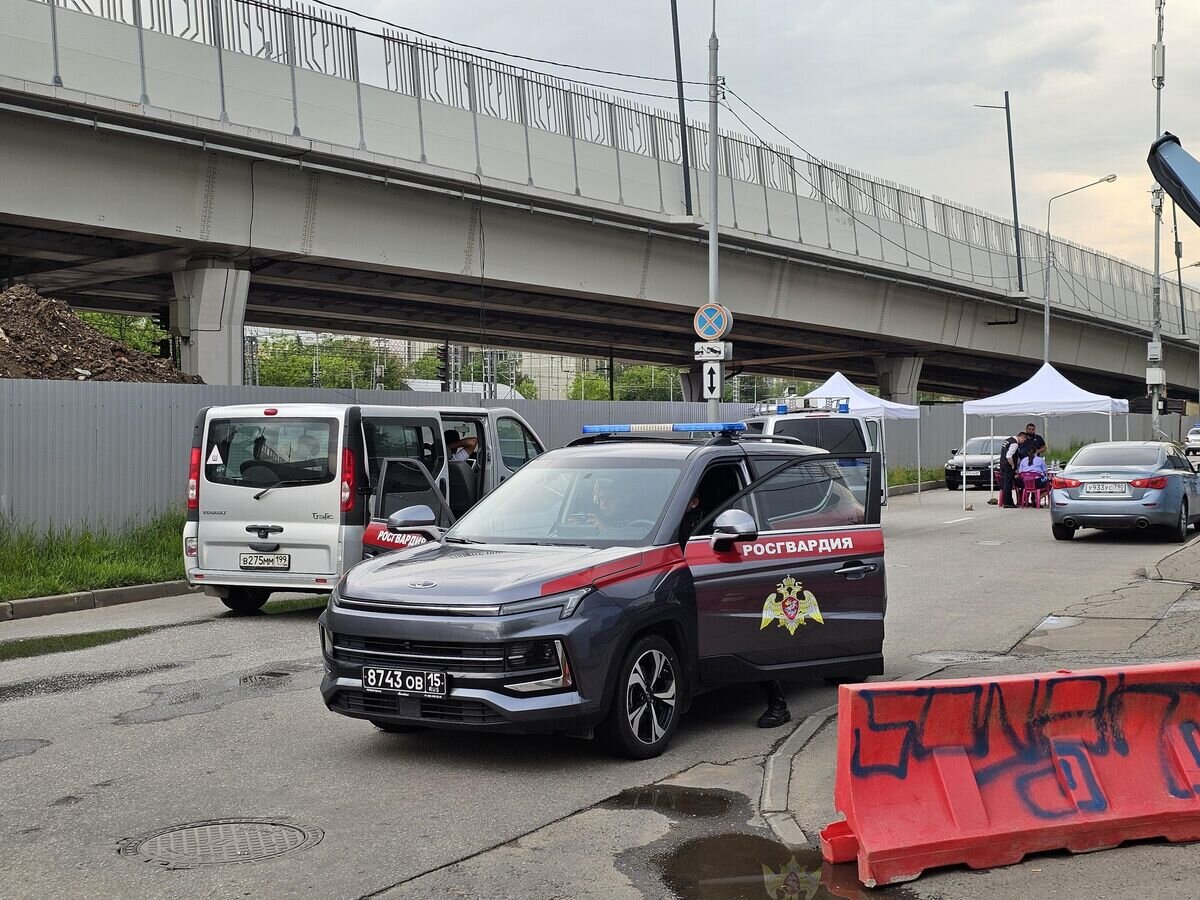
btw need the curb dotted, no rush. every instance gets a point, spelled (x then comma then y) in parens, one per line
(777, 771)
(32, 607)
(901, 489)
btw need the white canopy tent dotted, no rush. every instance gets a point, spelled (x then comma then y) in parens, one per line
(1047, 393)
(870, 407)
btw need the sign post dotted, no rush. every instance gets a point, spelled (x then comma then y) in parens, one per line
(712, 323)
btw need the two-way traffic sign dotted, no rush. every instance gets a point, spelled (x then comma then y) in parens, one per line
(712, 380)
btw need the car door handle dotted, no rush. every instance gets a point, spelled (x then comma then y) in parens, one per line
(856, 571)
(263, 530)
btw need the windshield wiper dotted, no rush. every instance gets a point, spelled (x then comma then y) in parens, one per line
(296, 482)
(461, 540)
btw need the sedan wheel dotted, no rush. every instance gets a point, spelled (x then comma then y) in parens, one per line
(1179, 532)
(1062, 532)
(644, 712)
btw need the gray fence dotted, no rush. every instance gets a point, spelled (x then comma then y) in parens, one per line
(107, 455)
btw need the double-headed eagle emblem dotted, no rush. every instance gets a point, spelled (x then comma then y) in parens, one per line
(790, 606)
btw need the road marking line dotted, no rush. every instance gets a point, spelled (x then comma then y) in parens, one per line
(956, 521)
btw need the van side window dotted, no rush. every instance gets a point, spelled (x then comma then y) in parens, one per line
(405, 438)
(517, 445)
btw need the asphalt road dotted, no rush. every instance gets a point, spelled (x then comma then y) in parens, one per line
(213, 717)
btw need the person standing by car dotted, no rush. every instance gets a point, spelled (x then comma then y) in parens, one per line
(1035, 444)
(1010, 456)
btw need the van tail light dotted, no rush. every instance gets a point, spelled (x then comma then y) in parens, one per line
(1061, 482)
(348, 481)
(1155, 484)
(193, 489)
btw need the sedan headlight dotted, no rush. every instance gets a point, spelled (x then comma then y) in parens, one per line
(568, 601)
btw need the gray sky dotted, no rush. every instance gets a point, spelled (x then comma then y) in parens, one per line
(887, 86)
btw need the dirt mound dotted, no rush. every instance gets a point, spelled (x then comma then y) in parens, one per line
(41, 337)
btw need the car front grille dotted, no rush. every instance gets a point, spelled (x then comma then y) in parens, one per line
(458, 657)
(446, 709)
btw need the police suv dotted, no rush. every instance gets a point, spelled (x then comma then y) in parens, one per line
(608, 582)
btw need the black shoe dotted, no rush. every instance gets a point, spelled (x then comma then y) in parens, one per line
(774, 717)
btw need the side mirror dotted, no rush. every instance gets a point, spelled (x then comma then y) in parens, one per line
(732, 526)
(954, 452)
(411, 517)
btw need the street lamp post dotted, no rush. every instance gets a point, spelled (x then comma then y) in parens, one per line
(1107, 179)
(1012, 174)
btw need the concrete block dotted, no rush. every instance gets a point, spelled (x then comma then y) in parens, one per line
(6, 612)
(57, 603)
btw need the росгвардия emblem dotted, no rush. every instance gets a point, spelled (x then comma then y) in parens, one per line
(790, 606)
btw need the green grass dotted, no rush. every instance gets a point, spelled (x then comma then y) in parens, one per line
(899, 475)
(59, 562)
(23, 648)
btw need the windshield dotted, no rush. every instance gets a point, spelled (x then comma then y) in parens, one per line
(1099, 455)
(262, 452)
(572, 500)
(984, 445)
(837, 435)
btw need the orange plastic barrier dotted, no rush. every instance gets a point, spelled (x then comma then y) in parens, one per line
(985, 771)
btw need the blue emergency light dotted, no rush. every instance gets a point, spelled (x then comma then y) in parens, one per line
(713, 427)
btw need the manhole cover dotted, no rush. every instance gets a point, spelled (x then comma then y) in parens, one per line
(220, 841)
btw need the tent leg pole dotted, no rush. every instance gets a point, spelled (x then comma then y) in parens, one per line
(962, 481)
(992, 473)
(919, 473)
(1110, 426)
(1127, 426)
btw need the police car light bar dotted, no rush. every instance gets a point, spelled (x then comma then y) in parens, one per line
(784, 405)
(713, 427)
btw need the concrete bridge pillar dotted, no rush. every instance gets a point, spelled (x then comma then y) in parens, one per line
(898, 378)
(208, 313)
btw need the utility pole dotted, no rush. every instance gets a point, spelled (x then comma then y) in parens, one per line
(683, 129)
(1012, 176)
(714, 404)
(1155, 373)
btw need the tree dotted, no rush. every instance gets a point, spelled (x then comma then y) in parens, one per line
(135, 332)
(588, 386)
(342, 362)
(640, 382)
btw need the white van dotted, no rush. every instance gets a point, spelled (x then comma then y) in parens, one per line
(278, 497)
(824, 422)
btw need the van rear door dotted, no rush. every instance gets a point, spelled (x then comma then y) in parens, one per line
(404, 432)
(271, 489)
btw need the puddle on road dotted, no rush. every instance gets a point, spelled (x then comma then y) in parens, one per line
(192, 698)
(674, 799)
(76, 682)
(742, 866)
(11, 748)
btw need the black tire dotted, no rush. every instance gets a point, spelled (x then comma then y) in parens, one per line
(246, 601)
(394, 728)
(953, 485)
(645, 707)
(844, 679)
(1179, 531)
(1062, 532)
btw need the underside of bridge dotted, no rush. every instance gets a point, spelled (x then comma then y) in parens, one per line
(105, 273)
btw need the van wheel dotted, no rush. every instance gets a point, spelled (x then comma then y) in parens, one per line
(246, 601)
(644, 712)
(393, 728)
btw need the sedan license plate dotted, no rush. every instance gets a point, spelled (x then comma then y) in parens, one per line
(1105, 487)
(279, 562)
(972, 472)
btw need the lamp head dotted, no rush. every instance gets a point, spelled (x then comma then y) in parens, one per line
(1110, 178)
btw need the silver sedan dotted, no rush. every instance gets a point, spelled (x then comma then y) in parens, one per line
(1125, 484)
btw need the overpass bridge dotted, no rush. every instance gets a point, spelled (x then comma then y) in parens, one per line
(238, 161)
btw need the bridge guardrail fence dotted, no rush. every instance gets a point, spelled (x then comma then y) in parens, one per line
(862, 215)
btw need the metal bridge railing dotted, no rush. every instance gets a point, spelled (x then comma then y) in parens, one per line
(313, 38)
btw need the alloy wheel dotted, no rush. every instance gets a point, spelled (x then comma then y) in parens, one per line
(650, 696)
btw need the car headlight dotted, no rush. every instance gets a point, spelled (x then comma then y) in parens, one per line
(951, 465)
(568, 600)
